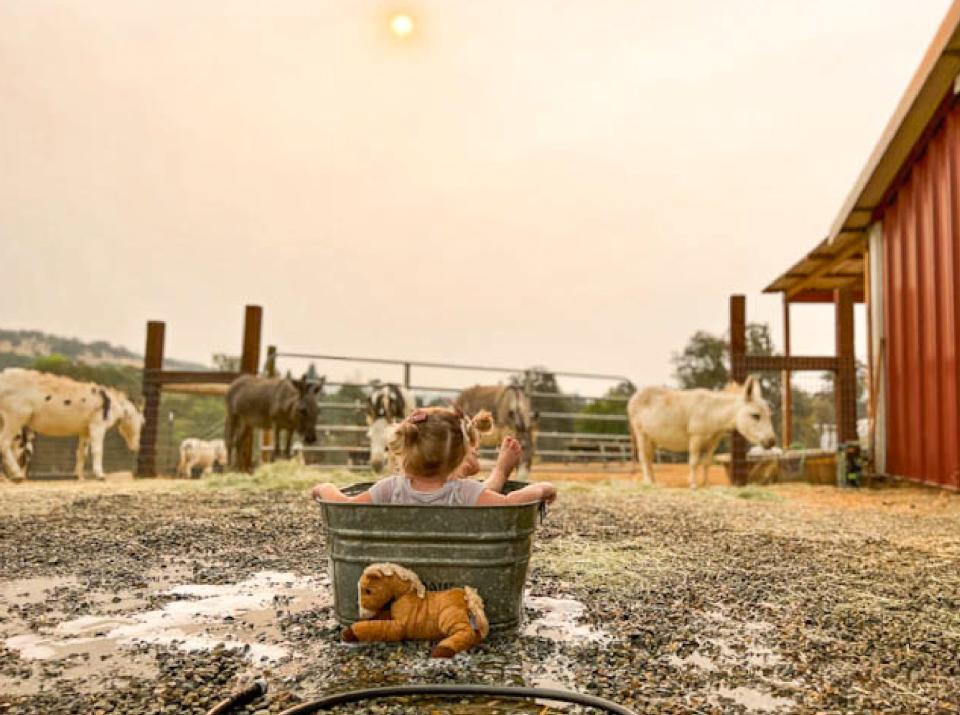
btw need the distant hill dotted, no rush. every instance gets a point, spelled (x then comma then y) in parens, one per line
(19, 348)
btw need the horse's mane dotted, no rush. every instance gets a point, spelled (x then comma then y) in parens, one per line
(401, 572)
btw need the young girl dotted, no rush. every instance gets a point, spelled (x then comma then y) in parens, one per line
(436, 448)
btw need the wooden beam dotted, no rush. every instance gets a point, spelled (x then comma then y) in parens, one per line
(794, 363)
(858, 245)
(190, 377)
(203, 389)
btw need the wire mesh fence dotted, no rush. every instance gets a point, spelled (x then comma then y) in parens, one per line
(182, 416)
(56, 457)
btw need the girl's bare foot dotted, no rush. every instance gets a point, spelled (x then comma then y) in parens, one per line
(510, 455)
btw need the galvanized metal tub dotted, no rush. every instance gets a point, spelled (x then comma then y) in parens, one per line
(487, 547)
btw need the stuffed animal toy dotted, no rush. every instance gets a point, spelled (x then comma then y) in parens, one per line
(401, 608)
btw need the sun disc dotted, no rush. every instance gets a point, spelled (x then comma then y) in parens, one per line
(401, 25)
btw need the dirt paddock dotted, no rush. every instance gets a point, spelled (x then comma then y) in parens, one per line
(160, 596)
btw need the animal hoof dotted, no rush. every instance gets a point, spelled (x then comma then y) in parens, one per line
(348, 636)
(441, 651)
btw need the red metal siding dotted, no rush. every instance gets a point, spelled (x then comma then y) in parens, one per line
(921, 230)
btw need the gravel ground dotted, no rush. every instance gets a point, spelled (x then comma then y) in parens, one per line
(781, 599)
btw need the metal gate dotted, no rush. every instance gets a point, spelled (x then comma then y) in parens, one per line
(577, 431)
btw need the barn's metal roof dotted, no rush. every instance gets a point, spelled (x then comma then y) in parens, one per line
(838, 261)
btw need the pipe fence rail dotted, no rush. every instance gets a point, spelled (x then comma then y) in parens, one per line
(583, 432)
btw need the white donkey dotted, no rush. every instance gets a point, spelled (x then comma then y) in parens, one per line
(60, 407)
(695, 421)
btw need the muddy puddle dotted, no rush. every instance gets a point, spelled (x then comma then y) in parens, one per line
(559, 620)
(736, 644)
(102, 645)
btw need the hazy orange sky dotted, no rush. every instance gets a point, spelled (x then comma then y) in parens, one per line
(576, 184)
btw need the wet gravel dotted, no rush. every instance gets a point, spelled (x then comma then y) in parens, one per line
(787, 599)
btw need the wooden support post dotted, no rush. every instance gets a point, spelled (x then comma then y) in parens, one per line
(871, 377)
(406, 375)
(152, 364)
(249, 365)
(786, 401)
(738, 371)
(845, 385)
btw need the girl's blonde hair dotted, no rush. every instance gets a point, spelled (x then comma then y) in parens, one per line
(433, 441)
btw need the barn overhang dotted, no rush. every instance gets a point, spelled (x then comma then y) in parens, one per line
(838, 261)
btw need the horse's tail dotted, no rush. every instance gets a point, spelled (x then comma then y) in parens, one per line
(475, 609)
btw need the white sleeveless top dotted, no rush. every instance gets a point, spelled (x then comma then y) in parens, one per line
(397, 490)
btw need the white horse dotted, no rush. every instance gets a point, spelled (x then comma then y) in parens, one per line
(387, 405)
(61, 407)
(695, 421)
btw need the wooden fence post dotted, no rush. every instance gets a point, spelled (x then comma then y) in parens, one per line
(249, 365)
(152, 364)
(252, 322)
(738, 371)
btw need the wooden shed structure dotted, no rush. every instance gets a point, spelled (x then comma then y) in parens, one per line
(896, 246)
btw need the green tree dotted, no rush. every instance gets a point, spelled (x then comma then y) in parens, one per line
(614, 402)
(703, 362)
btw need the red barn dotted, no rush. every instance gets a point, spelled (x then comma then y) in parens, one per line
(896, 246)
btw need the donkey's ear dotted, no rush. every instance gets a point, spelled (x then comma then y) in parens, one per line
(748, 388)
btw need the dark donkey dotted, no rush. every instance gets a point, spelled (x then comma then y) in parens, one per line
(277, 403)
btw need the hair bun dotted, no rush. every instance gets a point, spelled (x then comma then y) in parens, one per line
(482, 421)
(404, 434)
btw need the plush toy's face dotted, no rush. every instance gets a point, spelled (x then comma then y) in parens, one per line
(374, 593)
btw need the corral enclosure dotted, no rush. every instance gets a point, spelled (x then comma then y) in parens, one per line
(581, 416)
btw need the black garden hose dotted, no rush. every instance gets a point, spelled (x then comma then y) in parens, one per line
(493, 691)
(240, 698)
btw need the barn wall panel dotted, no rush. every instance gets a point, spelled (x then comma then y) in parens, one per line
(921, 235)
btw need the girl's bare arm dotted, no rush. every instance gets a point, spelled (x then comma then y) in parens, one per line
(541, 491)
(330, 492)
